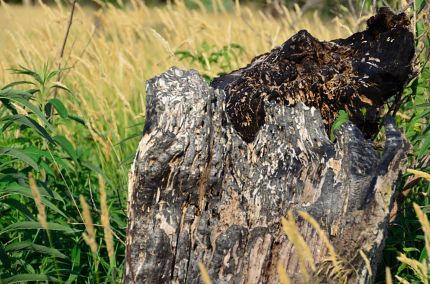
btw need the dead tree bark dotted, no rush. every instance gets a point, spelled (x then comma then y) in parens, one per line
(205, 187)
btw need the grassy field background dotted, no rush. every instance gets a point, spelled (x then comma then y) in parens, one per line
(112, 52)
(73, 230)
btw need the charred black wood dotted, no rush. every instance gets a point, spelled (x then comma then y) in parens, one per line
(358, 74)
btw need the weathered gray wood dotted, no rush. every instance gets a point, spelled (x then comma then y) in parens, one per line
(198, 192)
(216, 170)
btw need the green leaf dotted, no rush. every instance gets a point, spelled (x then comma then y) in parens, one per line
(47, 168)
(67, 146)
(28, 277)
(411, 249)
(31, 123)
(51, 74)
(33, 225)
(78, 119)
(76, 264)
(25, 71)
(73, 275)
(17, 83)
(27, 245)
(341, 119)
(127, 160)
(35, 110)
(8, 93)
(59, 106)
(420, 4)
(20, 155)
(51, 206)
(27, 193)
(425, 148)
(13, 203)
(96, 170)
(36, 153)
(4, 258)
(132, 136)
(59, 85)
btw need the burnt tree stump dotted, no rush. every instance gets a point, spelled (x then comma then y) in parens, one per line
(217, 167)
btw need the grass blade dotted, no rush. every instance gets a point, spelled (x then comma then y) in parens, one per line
(20, 156)
(28, 277)
(33, 225)
(26, 245)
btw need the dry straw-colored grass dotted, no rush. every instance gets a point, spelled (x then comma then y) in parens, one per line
(204, 274)
(111, 52)
(336, 267)
(41, 216)
(90, 238)
(302, 249)
(420, 268)
(105, 222)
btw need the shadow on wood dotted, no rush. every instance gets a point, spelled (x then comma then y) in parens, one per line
(207, 187)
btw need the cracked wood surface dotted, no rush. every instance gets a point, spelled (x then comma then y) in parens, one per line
(199, 192)
(217, 168)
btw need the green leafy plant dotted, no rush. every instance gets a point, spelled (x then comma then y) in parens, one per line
(207, 56)
(42, 175)
(340, 119)
(406, 236)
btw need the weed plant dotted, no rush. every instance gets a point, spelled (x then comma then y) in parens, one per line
(63, 173)
(42, 176)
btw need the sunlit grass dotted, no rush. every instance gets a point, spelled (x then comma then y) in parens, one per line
(111, 52)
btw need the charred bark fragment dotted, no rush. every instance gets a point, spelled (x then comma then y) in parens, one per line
(357, 74)
(207, 187)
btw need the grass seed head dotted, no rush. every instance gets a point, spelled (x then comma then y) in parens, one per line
(90, 238)
(105, 221)
(38, 200)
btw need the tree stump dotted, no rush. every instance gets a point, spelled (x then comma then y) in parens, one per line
(217, 168)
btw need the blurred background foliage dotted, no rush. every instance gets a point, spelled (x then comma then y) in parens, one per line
(325, 7)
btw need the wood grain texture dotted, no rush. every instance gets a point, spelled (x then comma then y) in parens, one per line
(199, 192)
(205, 188)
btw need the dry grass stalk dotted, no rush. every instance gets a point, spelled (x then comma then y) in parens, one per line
(303, 251)
(420, 174)
(425, 225)
(38, 200)
(63, 48)
(282, 274)
(90, 238)
(420, 268)
(366, 262)
(204, 274)
(388, 278)
(105, 221)
(401, 280)
(336, 268)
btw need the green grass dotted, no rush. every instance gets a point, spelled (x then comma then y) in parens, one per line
(33, 143)
(405, 234)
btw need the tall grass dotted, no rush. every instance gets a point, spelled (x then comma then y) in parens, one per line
(112, 52)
